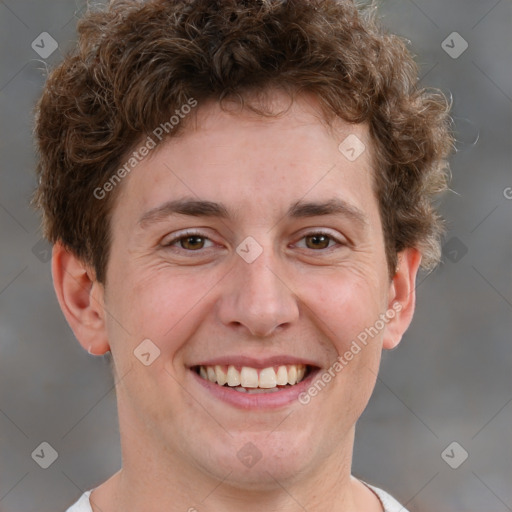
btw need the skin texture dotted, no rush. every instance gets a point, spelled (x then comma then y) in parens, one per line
(179, 442)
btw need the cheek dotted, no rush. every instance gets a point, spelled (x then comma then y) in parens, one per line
(344, 305)
(162, 304)
(345, 310)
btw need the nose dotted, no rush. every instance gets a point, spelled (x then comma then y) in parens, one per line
(257, 298)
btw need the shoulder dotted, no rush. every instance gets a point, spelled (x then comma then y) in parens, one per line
(388, 502)
(82, 505)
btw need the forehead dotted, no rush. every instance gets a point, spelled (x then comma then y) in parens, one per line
(254, 163)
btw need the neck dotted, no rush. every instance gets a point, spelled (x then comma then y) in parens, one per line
(151, 481)
(156, 477)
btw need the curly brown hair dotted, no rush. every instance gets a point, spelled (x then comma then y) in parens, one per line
(136, 62)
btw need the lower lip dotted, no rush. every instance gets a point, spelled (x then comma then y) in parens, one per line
(271, 400)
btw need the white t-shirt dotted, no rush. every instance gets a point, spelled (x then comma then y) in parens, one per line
(388, 502)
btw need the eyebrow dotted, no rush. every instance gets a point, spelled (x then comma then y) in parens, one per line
(191, 207)
(201, 208)
(331, 207)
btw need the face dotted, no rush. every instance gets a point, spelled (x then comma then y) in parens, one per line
(250, 253)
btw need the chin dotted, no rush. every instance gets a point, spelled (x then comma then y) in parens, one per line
(260, 461)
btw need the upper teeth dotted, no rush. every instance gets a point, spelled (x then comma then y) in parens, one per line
(248, 377)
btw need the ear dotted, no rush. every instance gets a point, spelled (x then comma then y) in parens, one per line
(402, 297)
(81, 299)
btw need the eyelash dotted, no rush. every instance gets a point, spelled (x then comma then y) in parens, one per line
(188, 234)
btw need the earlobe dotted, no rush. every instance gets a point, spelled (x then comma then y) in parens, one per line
(81, 299)
(402, 297)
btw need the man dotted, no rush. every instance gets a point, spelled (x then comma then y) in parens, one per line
(240, 194)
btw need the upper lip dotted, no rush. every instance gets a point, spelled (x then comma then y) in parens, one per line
(253, 362)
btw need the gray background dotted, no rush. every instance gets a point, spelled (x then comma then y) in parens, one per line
(449, 380)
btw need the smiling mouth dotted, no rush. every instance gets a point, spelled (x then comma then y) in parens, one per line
(253, 380)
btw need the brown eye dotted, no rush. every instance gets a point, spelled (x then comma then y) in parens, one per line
(192, 243)
(317, 241)
(188, 242)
